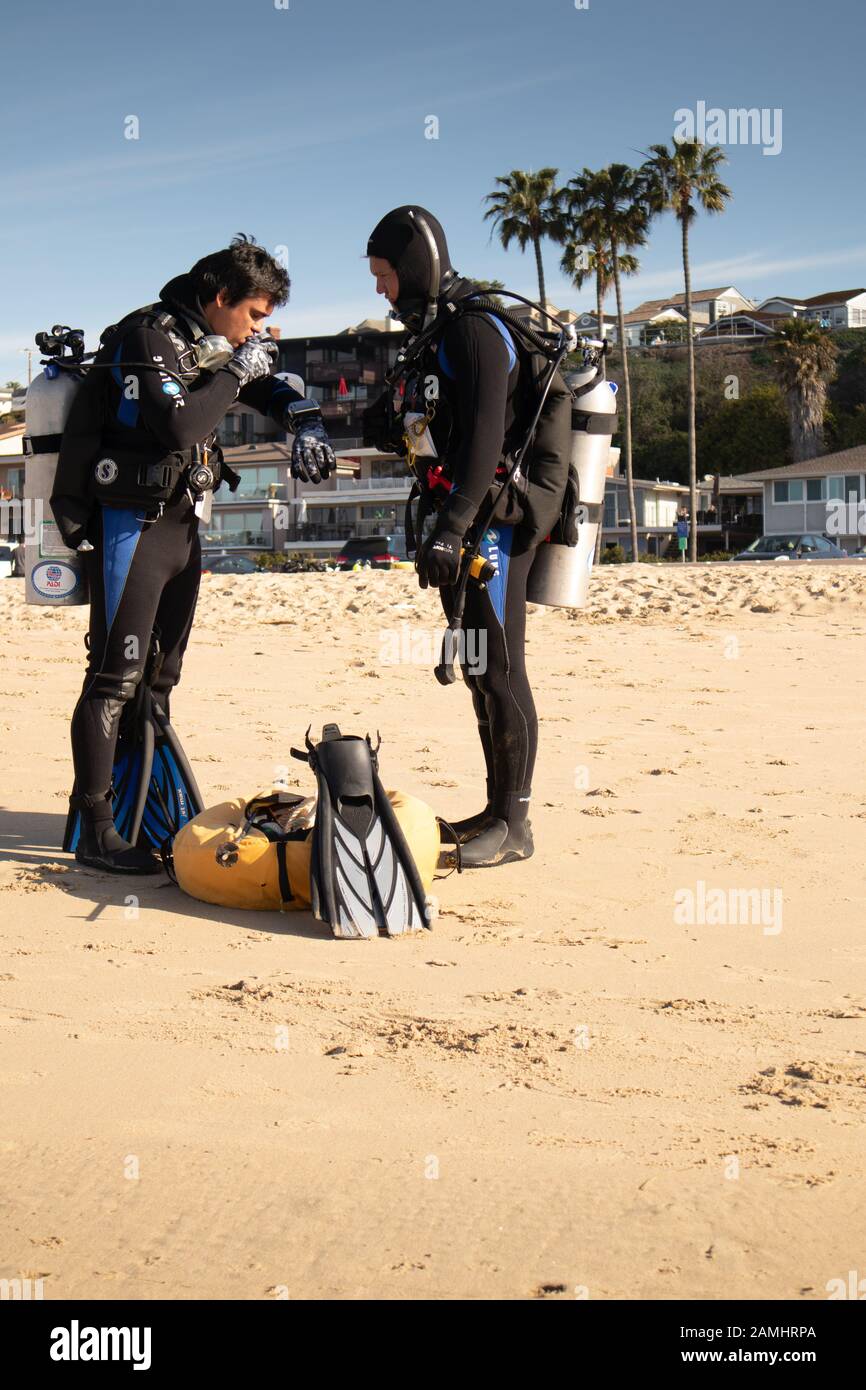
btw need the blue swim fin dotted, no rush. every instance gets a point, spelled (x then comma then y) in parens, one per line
(173, 797)
(154, 791)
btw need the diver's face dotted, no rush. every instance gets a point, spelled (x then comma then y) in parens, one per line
(387, 280)
(238, 321)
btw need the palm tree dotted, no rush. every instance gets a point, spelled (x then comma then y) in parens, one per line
(676, 180)
(805, 358)
(525, 208)
(582, 258)
(611, 201)
(585, 254)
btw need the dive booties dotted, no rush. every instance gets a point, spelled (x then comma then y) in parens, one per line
(99, 844)
(496, 843)
(464, 829)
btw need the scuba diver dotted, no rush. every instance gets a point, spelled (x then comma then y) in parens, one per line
(136, 473)
(478, 407)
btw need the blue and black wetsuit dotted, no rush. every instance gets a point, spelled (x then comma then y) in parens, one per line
(473, 379)
(145, 567)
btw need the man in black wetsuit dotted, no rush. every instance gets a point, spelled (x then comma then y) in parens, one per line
(466, 390)
(137, 469)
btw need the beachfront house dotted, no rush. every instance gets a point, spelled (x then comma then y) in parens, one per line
(659, 321)
(824, 496)
(587, 325)
(834, 309)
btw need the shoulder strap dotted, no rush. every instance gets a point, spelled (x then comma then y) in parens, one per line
(286, 893)
(468, 307)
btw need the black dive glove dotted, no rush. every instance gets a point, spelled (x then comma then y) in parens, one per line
(253, 359)
(312, 455)
(381, 428)
(438, 562)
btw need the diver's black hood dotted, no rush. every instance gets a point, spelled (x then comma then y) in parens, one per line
(180, 296)
(400, 239)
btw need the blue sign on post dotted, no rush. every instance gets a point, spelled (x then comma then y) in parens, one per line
(683, 530)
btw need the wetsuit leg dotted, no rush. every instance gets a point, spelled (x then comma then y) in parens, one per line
(174, 618)
(129, 570)
(495, 635)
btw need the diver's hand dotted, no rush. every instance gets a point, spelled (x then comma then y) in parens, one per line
(253, 359)
(438, 560)
(312, 455)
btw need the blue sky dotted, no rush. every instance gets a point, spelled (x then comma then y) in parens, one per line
(303, 125)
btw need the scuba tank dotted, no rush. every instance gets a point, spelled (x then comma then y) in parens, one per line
(559, 577)
(54, 573)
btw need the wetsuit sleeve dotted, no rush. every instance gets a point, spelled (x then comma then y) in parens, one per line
(269, 395)
(478, 358)
(178, 417)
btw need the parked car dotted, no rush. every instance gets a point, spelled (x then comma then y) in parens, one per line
(791, 547)
(227, 564)
(379, 552)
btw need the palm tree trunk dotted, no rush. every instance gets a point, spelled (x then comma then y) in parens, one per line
(599, 302)
(536, 241)
(626, 390)
(693, 456)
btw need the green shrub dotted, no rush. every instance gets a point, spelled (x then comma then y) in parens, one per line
(613, 555)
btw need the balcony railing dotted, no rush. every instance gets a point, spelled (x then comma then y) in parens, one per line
(319, 531)
(220, 540)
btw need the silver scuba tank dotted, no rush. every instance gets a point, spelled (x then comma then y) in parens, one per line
(559, 577)
(54, 574)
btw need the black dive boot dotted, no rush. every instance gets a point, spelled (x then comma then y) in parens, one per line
(99, 844)
(498, 843)
(503, 838)
(465, 829)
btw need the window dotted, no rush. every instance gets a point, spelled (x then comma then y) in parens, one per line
(667, 511)
(853, 487)
(267, 480)
(836, 488)
(650, 511)
(609, 509)
(815, 489)
(788, 491)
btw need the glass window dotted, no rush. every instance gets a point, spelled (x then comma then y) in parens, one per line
(836, 488)
(609, 509)
(853, 486)
(815, 489)
(789, 491)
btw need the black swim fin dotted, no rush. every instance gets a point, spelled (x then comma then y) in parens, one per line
(364, 881)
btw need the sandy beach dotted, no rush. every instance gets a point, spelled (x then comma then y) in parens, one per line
(596, 1077)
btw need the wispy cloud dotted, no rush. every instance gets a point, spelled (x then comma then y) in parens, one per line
(76, 182)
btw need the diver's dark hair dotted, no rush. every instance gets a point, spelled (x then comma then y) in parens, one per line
(243, 269)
